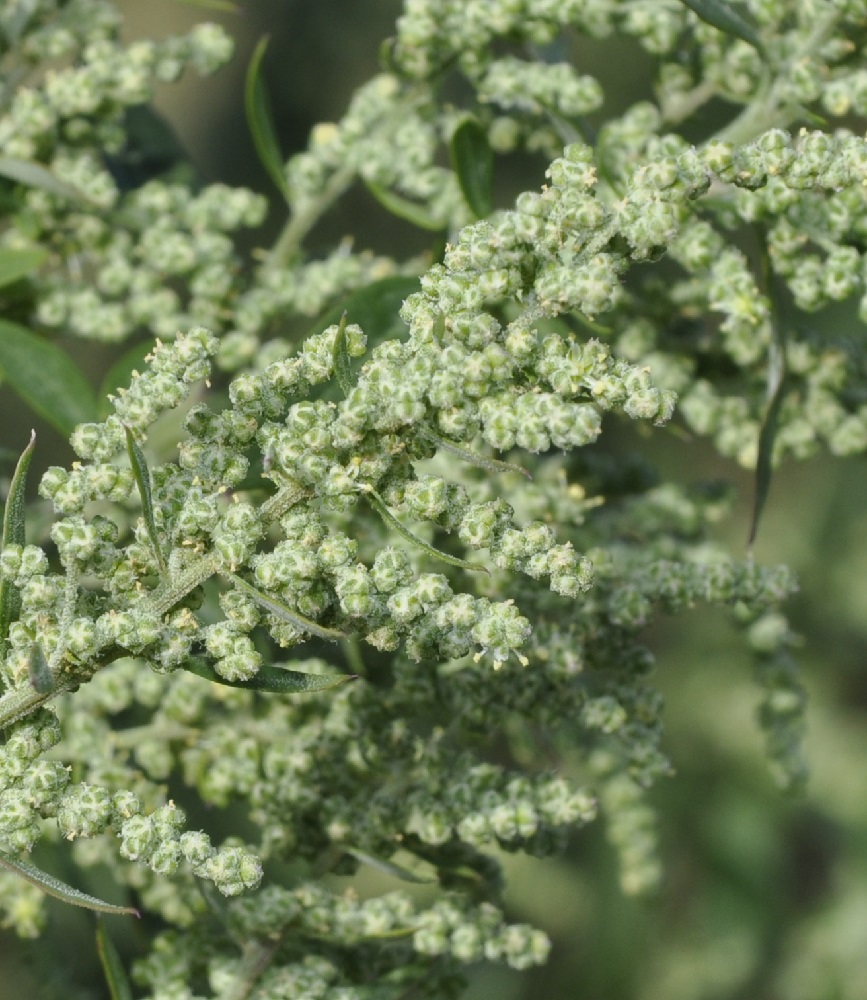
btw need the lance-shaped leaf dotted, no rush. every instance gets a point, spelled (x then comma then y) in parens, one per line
(112, 967)
(341, 358)
(35, 175)
(16, 264)
(45, 378)
(389, 867)
(41, 678)
(473, 162)
(482, 461)
(764, 459)
(725, 18)
(261, 121)
(381, 508)
(60, 890)
(403, 208)
(283, 611)
(13, 534)
(143, 480)
(273, 680)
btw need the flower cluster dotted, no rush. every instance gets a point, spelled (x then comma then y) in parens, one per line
(352, 502)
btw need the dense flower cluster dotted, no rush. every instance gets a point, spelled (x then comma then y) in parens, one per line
(350, 494)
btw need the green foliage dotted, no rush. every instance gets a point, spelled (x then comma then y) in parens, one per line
(309, 458)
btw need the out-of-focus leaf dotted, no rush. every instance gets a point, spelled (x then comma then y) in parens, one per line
(222, 5)
(403, 208)
(389, 867)
(261, 121)
(776, 390)
(35, 175)
(473, 162)
(15, 264)
(60, 890)
(381, 508)
(374, 308)
(284, 611)
(39, 671)
(143, 480)
(151, 150)
(723, 16)
(341, 358)
(13, 534)
(45, 378)
(274, 680)
(482, 461)
(112, 967)
(120, 374)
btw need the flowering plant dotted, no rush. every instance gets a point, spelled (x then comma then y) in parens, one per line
(379, 592)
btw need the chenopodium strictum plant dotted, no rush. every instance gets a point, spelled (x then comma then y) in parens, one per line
(416, 502)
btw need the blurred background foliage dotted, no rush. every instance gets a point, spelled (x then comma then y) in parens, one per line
(763, 897)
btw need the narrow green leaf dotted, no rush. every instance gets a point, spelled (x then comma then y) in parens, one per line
(112, 967)
(380, 507)
(482, 461)
(60, 890)
(403, 208)
(45, 378)
(473, 162)
(261, 122)
(284, 611)
(341, 358)
(16, 264)
(764, 459)
(13, 513)
(120, 374)
(389, 867)
(273, 680)
(41, 678)
(35, 175)
(13, 534)
(723, 16)
(143, 480)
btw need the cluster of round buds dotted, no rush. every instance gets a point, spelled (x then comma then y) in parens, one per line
(783, 709)
(31, 786)
(172, 370)
(450, 927)
(306, 289)
(157, 841)
(529, 86)
(431, 34)
(79, 117)
(105, 75)
(167, 234)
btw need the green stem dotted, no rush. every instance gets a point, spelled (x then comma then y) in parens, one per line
(254, 961)
(303, 220)
(771, 109)
(680, 108)
(23, 701)
(166, 596)
(352, 651)
(284, 499)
